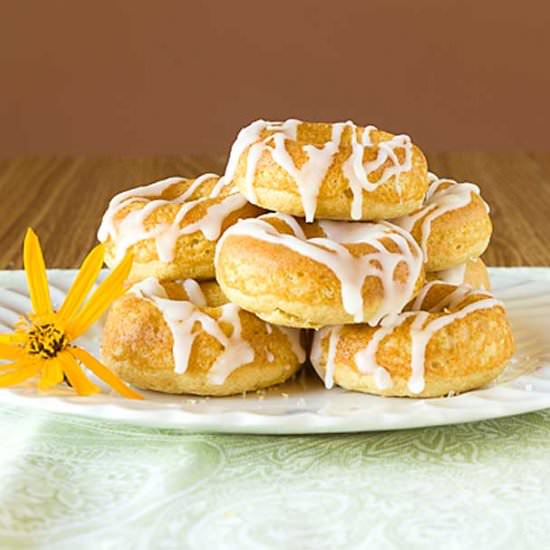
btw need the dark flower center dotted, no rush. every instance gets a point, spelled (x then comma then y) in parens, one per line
(46, 341)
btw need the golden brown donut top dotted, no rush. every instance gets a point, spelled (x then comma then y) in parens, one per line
(167, 209)
(353, 251)
(188, 307)
(437, 306)
(443, 196)
(473, 273)
(306, 151)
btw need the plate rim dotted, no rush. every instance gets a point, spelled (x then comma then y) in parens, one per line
(426, 412)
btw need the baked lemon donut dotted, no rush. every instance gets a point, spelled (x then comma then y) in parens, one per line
(309, 275)
(452, 226)
(473, 273)
(186, 338)
(171, 226)
(453, 339)
(334, 171)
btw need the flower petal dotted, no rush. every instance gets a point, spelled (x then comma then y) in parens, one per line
(22, 371)
(101, 371)
(11, 353)
(76, 377)
(52, 374)
(35, 270)
(110, 289)
(85, 279)
(8, 366)
(13, 338)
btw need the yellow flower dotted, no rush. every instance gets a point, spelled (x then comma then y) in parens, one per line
(41, 343)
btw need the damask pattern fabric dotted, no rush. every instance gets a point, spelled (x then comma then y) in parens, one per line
(70, 482)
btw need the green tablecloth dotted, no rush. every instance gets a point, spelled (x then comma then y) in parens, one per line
(71, 483)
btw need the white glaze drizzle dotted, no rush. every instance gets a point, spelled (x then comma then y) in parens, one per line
(351, 271)
(440, 199)
(131, 229)
(453, 275)
(294, 339)
(310, 176)
(421, 332)
(326, 370)
(358, 172)
(237, 351)
(421, 296)
(315, 352)
(182, 315)
(331, 355)
(194, 292)
(365, 359)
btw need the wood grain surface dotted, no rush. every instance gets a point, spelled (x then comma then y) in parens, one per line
(63, 199)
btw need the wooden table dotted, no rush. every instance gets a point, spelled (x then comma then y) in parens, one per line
(63, 199)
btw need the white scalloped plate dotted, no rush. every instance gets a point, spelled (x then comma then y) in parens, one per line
(304, 406)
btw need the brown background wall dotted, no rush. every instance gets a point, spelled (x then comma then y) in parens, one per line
(129, 76)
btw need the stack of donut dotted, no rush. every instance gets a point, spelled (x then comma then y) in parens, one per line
(331, 227)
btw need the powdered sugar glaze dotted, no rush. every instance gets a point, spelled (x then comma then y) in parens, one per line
(444, 195)
(132, 228)
(310, 176)
(351, 271)
(422, 329)
(181, 317)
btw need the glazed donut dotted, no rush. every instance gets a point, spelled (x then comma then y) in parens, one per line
(186, 338)
(453, 339)
(473, 273)
(334, 171)
(309, 275)
(452, 226)
(171, 226)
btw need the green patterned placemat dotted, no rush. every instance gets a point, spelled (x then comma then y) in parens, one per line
(70, 482)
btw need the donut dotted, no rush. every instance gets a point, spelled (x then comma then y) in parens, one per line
(336, 171)
(452, 226)
(451, 339)
(473, 273)
(309, 275)
(171, 226)
(184, 337)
